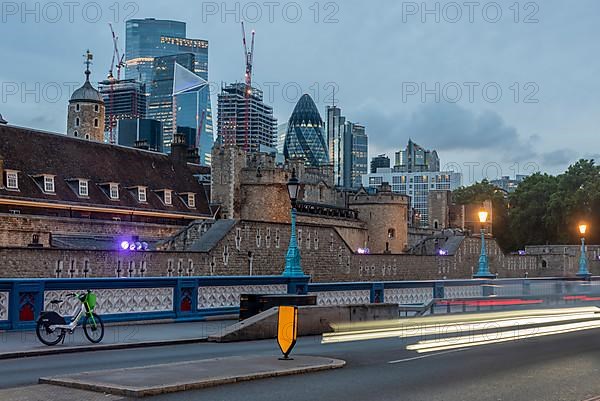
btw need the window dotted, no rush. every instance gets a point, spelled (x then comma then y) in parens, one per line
(191, 200)
(75, 134)
(12, 180)
(83, 188)
(48, 183)
(168, 197)
(142, 194)
(95, 122)
(114, 191)
(96, 108)
(87, 136)
(391, 233)
(77, 122)
(77, 108)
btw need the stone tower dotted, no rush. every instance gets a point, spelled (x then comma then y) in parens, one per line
(85, 118)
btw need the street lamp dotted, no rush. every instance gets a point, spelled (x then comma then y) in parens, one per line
(484, 269)
(292, 259)
(583, 265)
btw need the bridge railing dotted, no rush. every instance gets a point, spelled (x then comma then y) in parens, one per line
(196, 298)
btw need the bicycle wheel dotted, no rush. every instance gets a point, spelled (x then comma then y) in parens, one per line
(93, 329)
(47, 335)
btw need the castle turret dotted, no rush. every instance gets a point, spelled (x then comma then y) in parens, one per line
(86, 110)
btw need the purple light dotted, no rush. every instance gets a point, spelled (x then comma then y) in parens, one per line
(442, 252)
(521, 253)
(132, 247)
(363, 251)
(124, 245)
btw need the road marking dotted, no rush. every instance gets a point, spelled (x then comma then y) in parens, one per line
(426, 356)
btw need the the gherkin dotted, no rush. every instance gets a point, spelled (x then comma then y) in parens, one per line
(304, 137)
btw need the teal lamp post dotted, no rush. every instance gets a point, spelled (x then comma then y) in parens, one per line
(484, 268)
(583, 264)
(292, 259)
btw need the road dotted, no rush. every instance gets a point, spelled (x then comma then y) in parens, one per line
(559, 367)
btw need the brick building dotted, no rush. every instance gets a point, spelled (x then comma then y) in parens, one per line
(53, 184)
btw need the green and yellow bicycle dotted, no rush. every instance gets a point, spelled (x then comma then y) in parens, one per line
(52, 328)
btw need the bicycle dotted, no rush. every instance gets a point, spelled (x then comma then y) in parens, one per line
(52, 328)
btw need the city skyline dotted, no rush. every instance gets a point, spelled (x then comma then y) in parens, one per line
(463, 131)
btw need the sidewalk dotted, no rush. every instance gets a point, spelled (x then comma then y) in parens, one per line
(25, 343)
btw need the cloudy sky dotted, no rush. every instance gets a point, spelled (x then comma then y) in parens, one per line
(496, 87)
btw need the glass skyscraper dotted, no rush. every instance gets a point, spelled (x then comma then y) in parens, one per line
(305, 134)
(348, 147)
(152, 49)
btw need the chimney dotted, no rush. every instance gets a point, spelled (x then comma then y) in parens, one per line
(179, 149)
(193, 156)
(142, 144)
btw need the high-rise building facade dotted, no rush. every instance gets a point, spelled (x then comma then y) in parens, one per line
(124, 99)
(415, 158)
(416, 185)
(232, 119)
(152, 49)
(281, 134)
(380, 161)
(306, 134)
(140, 133)
(348, 147)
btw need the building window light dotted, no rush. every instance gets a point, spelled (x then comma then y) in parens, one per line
(142, 194)
(83, 188)
(12, 180)
(114, 191)
(168, 198)
(192, 200)
(49, 183)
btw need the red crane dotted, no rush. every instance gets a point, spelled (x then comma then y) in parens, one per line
(248, 55)
(111, 79)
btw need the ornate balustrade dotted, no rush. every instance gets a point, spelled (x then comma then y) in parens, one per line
(196, 298)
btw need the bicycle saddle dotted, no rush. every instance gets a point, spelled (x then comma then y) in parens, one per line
(56, 301)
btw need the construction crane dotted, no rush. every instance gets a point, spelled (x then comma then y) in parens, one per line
(249, 56)
(118, 58)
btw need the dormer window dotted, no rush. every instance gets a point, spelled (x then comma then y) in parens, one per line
(191, 200)
(168, 197)
(142, 194)
(83, 188)
(114, 191)
(49, 183)
(12, 179)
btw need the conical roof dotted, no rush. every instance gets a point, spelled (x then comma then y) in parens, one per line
(87, 93)
(305, 112)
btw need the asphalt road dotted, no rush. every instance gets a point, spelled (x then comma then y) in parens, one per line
(559, 367)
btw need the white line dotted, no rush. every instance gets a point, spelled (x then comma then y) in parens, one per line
(427, 356)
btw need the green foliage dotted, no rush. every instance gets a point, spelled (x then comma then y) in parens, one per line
(544, 209)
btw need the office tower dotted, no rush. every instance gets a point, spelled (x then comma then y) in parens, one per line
(305, 136)
(124, 99)
(232, 119)
(140, 133)
(152, 49)
(349, 148)
(415, 159)
(281, 134)
(380, 161)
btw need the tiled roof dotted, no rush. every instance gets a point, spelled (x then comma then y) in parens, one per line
(34, 153)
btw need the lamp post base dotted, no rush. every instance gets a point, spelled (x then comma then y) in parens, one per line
(484, 275)
(584, 276)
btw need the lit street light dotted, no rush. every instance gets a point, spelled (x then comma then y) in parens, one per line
(292, 259)
(583, 265)
(484, 269)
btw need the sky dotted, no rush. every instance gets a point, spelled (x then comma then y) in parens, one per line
(496, 87)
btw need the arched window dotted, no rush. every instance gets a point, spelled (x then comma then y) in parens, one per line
(95, 122)
(77, 122)
(391, 233)
(75, 133)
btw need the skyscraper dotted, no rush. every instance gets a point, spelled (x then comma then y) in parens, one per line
(414, 159)
(305, 137)
(152, 49)
(380, 161)
(349, 146)
(124, 99)
(232, 122)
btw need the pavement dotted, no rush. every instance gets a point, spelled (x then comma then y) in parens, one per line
(18, 344)
(174, 377)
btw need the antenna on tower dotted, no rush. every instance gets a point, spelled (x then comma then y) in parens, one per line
(249, 58)
(88, 61)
